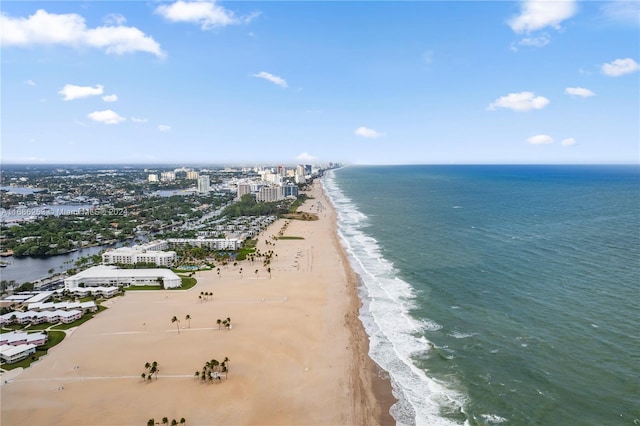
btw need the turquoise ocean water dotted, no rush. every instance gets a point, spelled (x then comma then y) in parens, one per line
(499, 294)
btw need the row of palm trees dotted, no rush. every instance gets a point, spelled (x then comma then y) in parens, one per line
(177, 321)
(213, 370)
(204, 295)
(150, 370)
(165, 421)
(224, 323)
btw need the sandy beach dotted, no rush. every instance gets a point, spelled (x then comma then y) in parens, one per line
(297, 350)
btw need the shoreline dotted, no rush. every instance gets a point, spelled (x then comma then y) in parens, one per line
(374, 385)
(298, 350)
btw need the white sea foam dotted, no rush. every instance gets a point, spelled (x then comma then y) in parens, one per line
(387, 301)
(458, 335)
(493, 418)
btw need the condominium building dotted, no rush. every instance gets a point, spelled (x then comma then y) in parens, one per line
(243, 189)
(208, 243)
(10, 354)
(192, 175)
(145, 253)
(153, 177)
(270, 193)
(203, 185)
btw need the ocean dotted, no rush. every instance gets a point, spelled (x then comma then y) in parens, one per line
(499, 294)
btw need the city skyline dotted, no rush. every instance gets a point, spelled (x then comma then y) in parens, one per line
(299, 82)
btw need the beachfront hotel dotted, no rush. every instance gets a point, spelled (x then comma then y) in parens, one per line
(103, 275)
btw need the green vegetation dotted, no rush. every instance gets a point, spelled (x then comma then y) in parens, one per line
(248, 206)
(290, 238)
(187, 283)
(143, 287)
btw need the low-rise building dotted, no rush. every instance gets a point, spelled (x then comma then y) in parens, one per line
(11, 354)
(103, 275)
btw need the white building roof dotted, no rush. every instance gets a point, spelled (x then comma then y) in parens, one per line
(10, 350)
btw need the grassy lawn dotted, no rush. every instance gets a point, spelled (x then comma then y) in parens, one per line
(144, 287)
(187, 283)
(55, 337)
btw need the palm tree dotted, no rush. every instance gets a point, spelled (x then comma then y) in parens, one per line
(177, 321)
(174, 422)
(151, 422)
(182, 421)
(240, 273)
(200, 297)
(165, 421)
(144, 376)
(188, 318)
(219, 322)
(269, 271)
(256, 272)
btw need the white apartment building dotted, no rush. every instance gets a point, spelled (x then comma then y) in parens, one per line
(104, 275)
(11, 354)
(208, 243)
(192, 175)
(203, 185)
(146, 253)
(153, 177)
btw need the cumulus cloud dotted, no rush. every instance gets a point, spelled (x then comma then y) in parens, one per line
(71, 92)
(305, 157)
(579, 91)
(110, 98)
(538, 14)
(540, 140)
(107, 117)
(366, 132)
(272, 78)
(568, 142)
(205, 13)
(164, 128)
(43, 28)
(30, 83)
(523, 101)
(138, 120)
(620, 67)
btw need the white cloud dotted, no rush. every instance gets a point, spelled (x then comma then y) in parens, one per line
(164, 128)
(620, 67)
(538, 14)
(138, 120)
(30, 83)
(523, 101)
(107, 117)
(43, 28)
(70, 91)
(272, 78)
(622, 11)
(579, 91)
(110, 98)
(568, 142)
(114, 19)
(305, 157)
(540, 41)
(366, 132)
(540, 140)
(205, 13)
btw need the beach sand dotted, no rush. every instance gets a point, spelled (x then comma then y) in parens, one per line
(297, 350)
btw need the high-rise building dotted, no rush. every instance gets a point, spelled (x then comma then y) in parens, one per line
(243, 189)
(193, 175)
(203, 185)
(153, 177)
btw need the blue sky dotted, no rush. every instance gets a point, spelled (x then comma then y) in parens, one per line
(312, 82)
